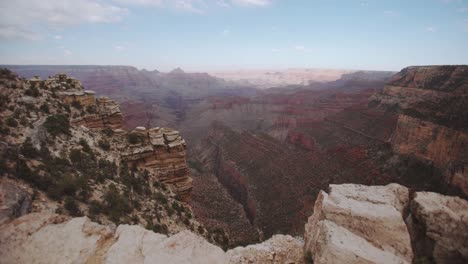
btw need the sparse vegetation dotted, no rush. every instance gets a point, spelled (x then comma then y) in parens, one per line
(11, 122)
(32, 91)
(134, 138)
(76, 104)
(57, 124)
(28, 150)
(104, 144)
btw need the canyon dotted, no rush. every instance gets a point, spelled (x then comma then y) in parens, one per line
(249, 156)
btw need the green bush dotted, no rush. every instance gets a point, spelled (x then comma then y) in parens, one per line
(11, 122)
(91, 109)
(117, 205)
(85, 146)
(57, 124)
(160, 197)
(77, 104)
(108, 131)
(95, 207)
(134, 138)
(44, 108)
(3, 167)
(33, 91)
(201, 230)
(104, 144)
(71, 206)
(28, 150)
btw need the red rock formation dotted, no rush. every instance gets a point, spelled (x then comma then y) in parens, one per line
(161, 151)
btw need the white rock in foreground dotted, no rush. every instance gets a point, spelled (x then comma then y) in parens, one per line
(439, 226)
(359, 224)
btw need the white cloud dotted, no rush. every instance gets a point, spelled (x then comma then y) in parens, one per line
(194, 6)
(225, 32)
(26, 16)
(12, 32)
(431, 29)
(275, 50)
(140, 2)
(119, 48)
(30, 19)
(301, 48)
(251, 2)
(67, 52)
(58, 37)
(222, 3)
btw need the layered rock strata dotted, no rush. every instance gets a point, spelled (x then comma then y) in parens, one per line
(162, 152)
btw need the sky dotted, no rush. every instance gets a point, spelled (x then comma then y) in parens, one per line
(210, 35)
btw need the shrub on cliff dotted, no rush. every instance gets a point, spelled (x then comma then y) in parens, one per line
(117, 205)
(28, 150)
(104, 144)
(76, 104)
(11, 122)
(72, 207)
(57, 124)
(44, 108)
(32, 91)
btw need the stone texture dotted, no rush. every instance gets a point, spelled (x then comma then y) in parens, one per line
(47, 238)
(14, 200)
(161, 151)
(137, 245)
(278, 249)
(439, 227)
(370, 215)
(441, 78)
(444, 146)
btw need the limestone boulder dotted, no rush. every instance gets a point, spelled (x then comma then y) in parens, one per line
(439, 227)
(48, 238)
(278, 249)
(137, 245)
(359, 224)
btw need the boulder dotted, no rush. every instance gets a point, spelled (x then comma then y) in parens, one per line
(48, 238)
(359, 224)
(278, 249)
(439, 227)
(14, 200)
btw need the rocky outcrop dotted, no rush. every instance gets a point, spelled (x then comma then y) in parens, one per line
(45, 238)
(98, 113)
(278, 249)
(351, 224)
(432, 126)
(445, 147)
(439, 78)
(14, 200)
(160, 151)
(50, 238)
(102, 113)
(439, 228)
(359, 224)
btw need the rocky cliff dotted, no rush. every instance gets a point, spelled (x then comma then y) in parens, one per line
(350, 224)
(431, 103)
(65, 146)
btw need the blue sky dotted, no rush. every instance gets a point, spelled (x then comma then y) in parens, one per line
(202, 35)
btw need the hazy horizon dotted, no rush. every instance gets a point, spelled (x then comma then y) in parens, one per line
(212, 35)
